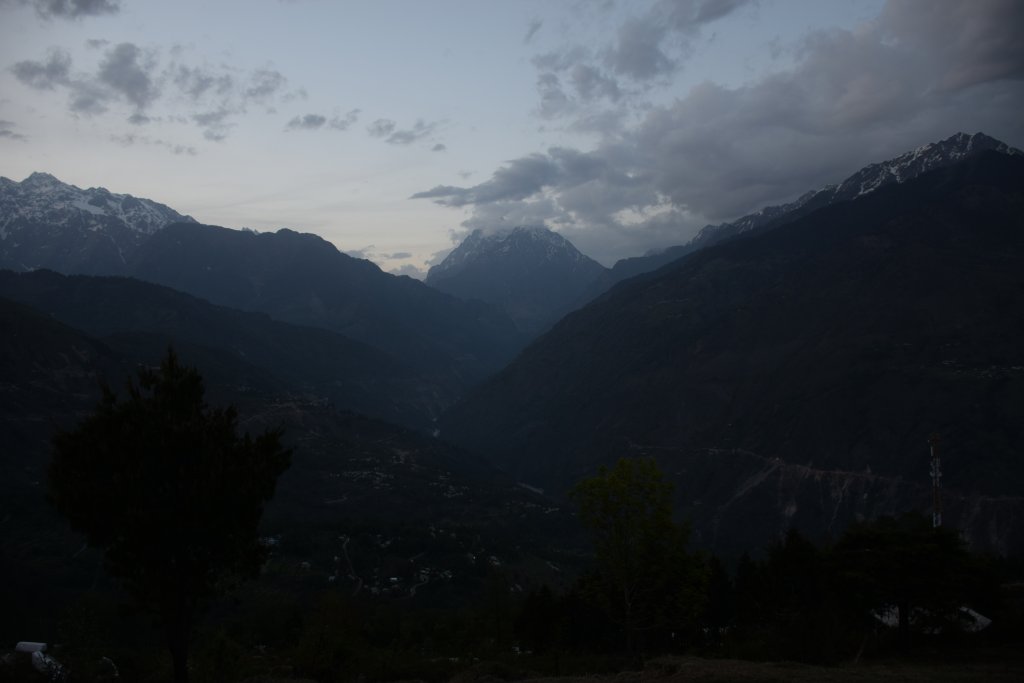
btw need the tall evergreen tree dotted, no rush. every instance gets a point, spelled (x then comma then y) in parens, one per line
(165, 487)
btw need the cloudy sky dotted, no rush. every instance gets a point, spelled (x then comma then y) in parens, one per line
(392, 127)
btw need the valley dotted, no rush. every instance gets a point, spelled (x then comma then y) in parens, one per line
(785, 372)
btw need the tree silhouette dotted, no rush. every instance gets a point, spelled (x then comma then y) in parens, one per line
(170, 493)
(645, 578)
(925, 573)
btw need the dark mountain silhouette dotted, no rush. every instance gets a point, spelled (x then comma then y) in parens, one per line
(897, 170)
(303, 279)
(394, 493)
(246, 352)
(792, 377)
(535, 275)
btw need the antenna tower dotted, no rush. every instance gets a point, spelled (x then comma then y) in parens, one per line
(933, 443)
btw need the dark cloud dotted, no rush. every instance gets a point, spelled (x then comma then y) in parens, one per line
(439, 147)
(7, 131)
(532, 29)
(213, 97)
(307, 122)
(128, 71)
(46, 75)
(920, 72)
(591, 84)
(74, 9)
(96, 43)
(381, 128)
(971, 42)
(637, 52)
(518, 179)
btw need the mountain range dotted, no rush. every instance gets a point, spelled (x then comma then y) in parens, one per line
(899, 169)
(786, 369)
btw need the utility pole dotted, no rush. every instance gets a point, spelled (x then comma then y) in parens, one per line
(933, 442)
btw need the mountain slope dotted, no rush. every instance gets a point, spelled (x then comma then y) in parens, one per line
(45, 223)
(897, 170)
(413, 507)
(246, 352)
(303, 279)
(533, 274)
(761, 370)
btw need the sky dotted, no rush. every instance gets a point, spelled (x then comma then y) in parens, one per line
(392, 128)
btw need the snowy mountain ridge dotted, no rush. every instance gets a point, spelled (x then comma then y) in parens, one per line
(45, 199)
(900, 169)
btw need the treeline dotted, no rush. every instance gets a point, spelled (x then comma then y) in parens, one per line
(796, 601)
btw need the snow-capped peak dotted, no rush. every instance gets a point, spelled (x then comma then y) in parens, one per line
(535, 242)
(42, 198)
(900, 169)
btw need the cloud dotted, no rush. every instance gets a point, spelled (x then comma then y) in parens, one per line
(381, 128)
(532, 29)
(215, 123)
(213, 98)
(420, 130)
(637, 52)
(852, 97)
(196, 82)
(388, 130)
(45, 75)
(263, 85)
(73, 9)
(593, 86)
(439, 147)
(409, 270)
(518, 179)
(307, 122)
(7, 131)
(132, 139)
(972, 42)
(128, 71)
(344, 122)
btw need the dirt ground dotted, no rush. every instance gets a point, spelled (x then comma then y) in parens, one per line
(689, 669)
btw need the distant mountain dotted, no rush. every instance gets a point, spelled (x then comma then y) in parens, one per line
(45, 223)
(793, 376)
(533, 274)
(900, 169)
(303, 279)
(248, 354)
